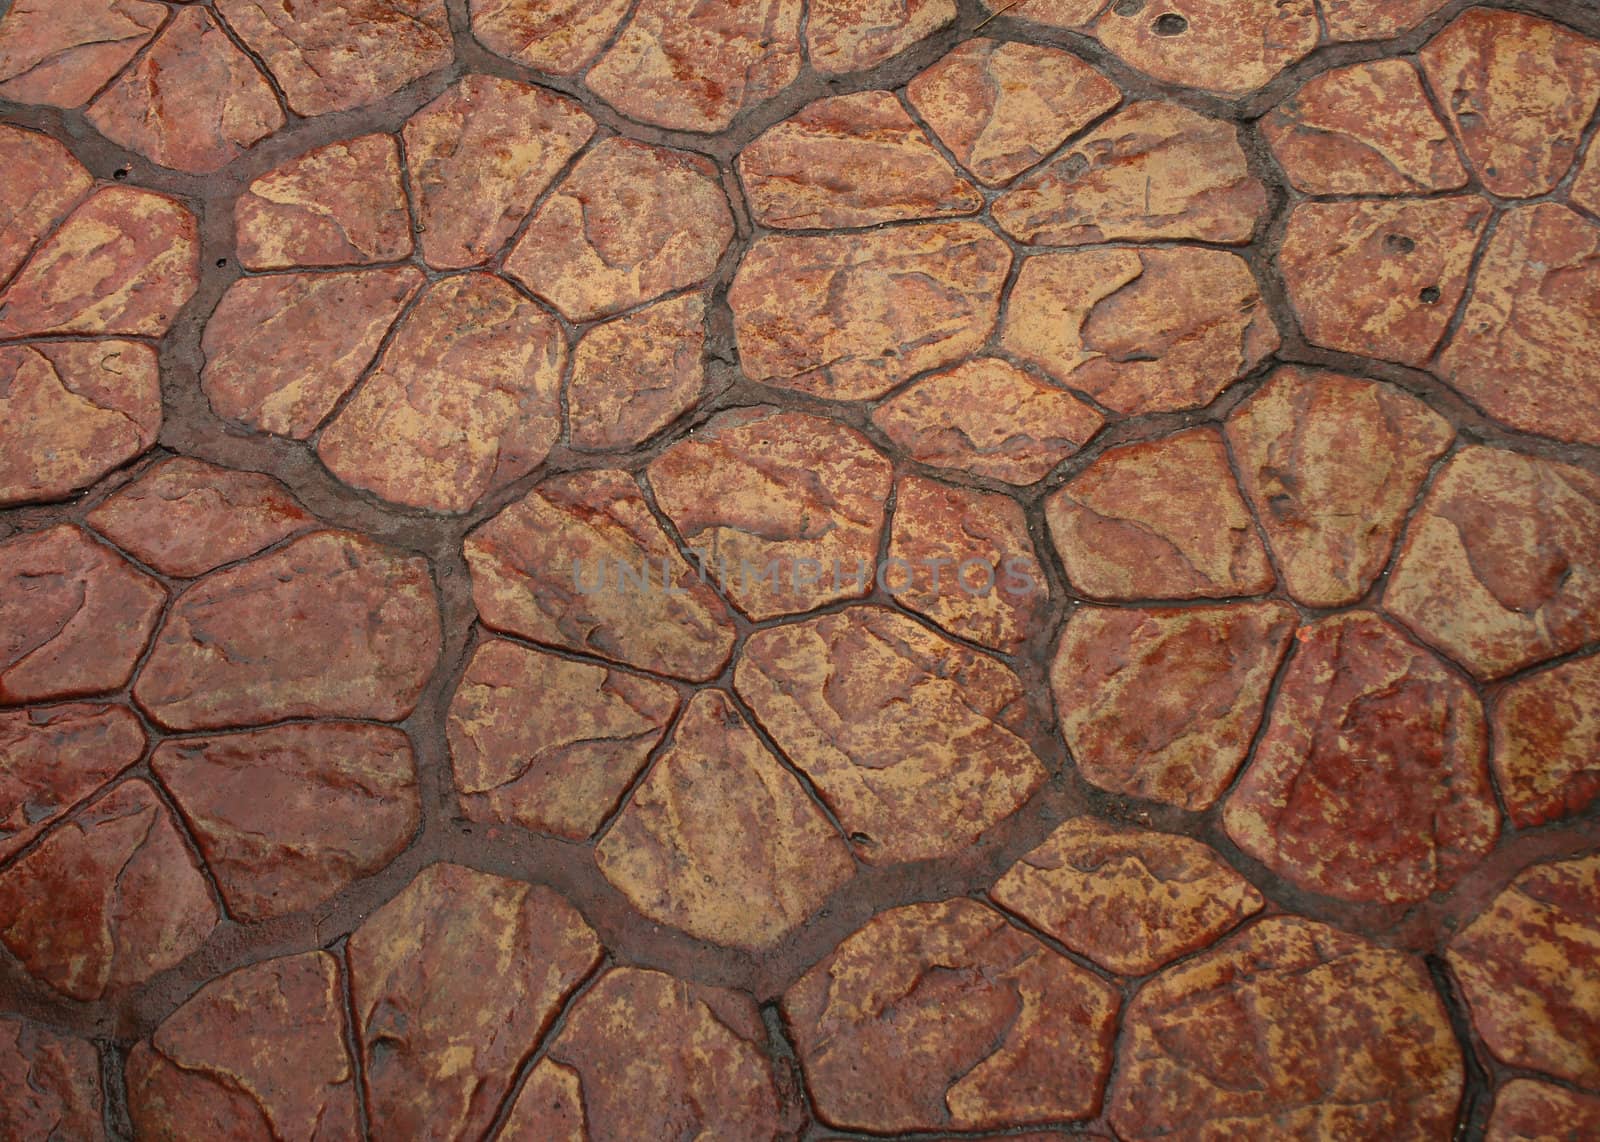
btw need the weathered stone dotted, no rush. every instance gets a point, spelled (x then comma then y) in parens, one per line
(852, 35)
(851, 316)
(1290, 1029)
(1152, 171)
(1131, 901)
(633, 376)
(554, 36)
(1375, 19)
(107, 899)
(1371, 782)
(454, 982)
(1227, 46)
(1054, 13)
(60, 52)
(1140, 330)
(1332, 464)
(1162, 519)
(941, 1016)
(630, 223)
(1585, 189)
(1164, 703)
(548, 743)
(40, 183)
(54, 1081)
(910, 740)
(1547, 743)
(1501, 567)
(1528, 1111)
(579, 562)
(52, 758)
(466, 399)
(759, 487)
(362, 644)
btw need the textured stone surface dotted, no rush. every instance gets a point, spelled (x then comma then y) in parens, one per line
(53, 1082)
(633, 376)
(1547, 742)
(1227, 46)
(1375, 19)
(1528, 1111)
(1053, 13)
(555, 36)
(60, 52)
(40, 183)
(944, 1016)
(851, 35)
(51, 758)
(1585, 188)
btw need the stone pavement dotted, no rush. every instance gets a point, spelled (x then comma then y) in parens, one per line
(749, 569)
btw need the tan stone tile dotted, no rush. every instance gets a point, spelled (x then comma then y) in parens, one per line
(40, 183)
(1227, 46)
(850, 35)
(554, 36)
(633, 376)
(1375, 19)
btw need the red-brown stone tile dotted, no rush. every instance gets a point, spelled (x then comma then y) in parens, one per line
(1053, 13)
(1547, 742)
(1375, 19)
(40, 183)
(554, 36)
(1227, 46)
(53, 757)
(851, 35)
(1528, 1111)
(60, 52)
(1585, 189)
(633, 376)
(53, 1082)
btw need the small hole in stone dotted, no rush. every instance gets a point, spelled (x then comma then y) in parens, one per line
(1171, 24)
(1399, 244)
(222, 263)
(1429, 295)
(1128, 7)
(120, 173)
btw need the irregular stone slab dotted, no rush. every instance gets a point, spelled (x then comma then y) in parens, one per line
(1584, 190)
(454, 982)
(106, 900)
(479, 155)
(720, 840)
(282, 350)
(1519, 92)
(910, 740)
(52, 758)
(123, 263)
(633, 376)
(466, 399)
(1375, 19)
(185, 517)
(288, 816)
(579, 562)
(758, 488)
(334, 55)
(1371, 782)
(1547, 743)
(1528, 967)
(1528, 1111)
(363, 644)
(548, 743)
(852, 35)
(40, 183)
(944, 1016)
(1164, 703)
(1292, 1029)
(342, 204)
(74, 617)
(61, 1075)
(1152, 171)
(261, 1047)
(1332, 464)
(60, 52)
(1380, 278)
(1130, 900)
(630, 223)
(1140, 330)
(1161, 519)
(1501, 567)
(1001, 107)
(850, 316)
(554, 36)
(72, 411)
(694, 67)
(1226, 46)
(1329, 141)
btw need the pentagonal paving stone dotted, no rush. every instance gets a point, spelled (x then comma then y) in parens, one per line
(53, 757)
(1130, 900)
(1528, 1111)
(466, 399)
(1151, 171)
(1164, 703)
(1161, 519)
(1140, 330)
(910, 739)
(40, 183)
(633, 376)
(1499, 567)
(1227, 46)
(362, 644)
(1371, 782)
(454, 982)
(258, 1053)
(1547, 742)
(940, 1016)
(555, 36)
(54, 1084)
(720, 840)
(1375, 19)
(60, 52)
(1290, 1029)
(107, 899)
(850, 35)
(1332, 464)
(850, 316)
(783, 507)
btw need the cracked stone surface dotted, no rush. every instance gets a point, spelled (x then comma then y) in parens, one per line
(59, 1076)
(55, 757)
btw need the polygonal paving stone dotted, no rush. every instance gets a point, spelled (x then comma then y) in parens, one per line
(1162, 519)
(454, 982)
(40, 183)
(1290, 1029)
(633, 376)
(60, 52)
(851, 35)
(1528, 1111)
(1371, 782)
(362, 644)
(53, 757)
(1152, 171)
(1332, 464)
(548, 743)
(107, 899)
(720, 840)
(554, 36)
(1054, 13)
(288, 816)
(54, 1081)
(850, 316)
(909, 739)
(1501, 566)
(630, 223)
(1547, 742)
(258, 1053)
(1227, 46)
(758, 489)
(1140, 330)
(466, 399)
(1375, 19)
(1130, 900)
(944, 1016)
(1164, 703)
